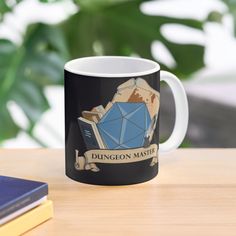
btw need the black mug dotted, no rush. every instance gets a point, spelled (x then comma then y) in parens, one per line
(112, 119)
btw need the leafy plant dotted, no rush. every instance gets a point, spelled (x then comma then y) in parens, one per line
(25, 71)
(106, 27)
(122, 29)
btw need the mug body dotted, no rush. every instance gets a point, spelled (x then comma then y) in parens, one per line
(112, 120)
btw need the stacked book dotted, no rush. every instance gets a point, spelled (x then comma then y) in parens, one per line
(23, 205)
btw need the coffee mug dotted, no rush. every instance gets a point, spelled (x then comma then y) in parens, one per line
(112, 119)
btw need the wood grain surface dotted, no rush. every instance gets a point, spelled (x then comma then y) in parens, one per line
(194, 194)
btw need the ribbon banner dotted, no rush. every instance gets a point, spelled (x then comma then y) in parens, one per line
(91, 157)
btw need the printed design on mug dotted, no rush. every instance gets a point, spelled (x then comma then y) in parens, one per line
(122, 131)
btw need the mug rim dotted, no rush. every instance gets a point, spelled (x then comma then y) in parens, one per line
(70, 66)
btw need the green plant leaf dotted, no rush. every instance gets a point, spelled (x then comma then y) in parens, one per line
(7, 6)
(25, 70)
(90, 5)
(120, 28)
(4, 7)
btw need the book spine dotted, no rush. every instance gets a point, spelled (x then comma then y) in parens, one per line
(24, 200)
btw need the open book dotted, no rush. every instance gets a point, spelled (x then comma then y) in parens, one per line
(90, 134)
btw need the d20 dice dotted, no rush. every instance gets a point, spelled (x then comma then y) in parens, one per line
(125, 125)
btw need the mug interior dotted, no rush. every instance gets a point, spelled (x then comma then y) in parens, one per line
(112, 66)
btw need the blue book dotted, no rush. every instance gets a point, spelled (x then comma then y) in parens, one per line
(17, 194)
(90, 134)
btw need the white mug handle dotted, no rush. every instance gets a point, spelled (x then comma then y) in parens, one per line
(181, 110)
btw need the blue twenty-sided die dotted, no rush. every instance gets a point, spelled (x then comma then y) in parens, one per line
(124, 125)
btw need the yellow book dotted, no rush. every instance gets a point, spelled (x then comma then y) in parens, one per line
(28, 220)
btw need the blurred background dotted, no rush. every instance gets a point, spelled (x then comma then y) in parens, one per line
(195, 39)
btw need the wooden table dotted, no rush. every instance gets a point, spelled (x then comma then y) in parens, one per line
(194, 194)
